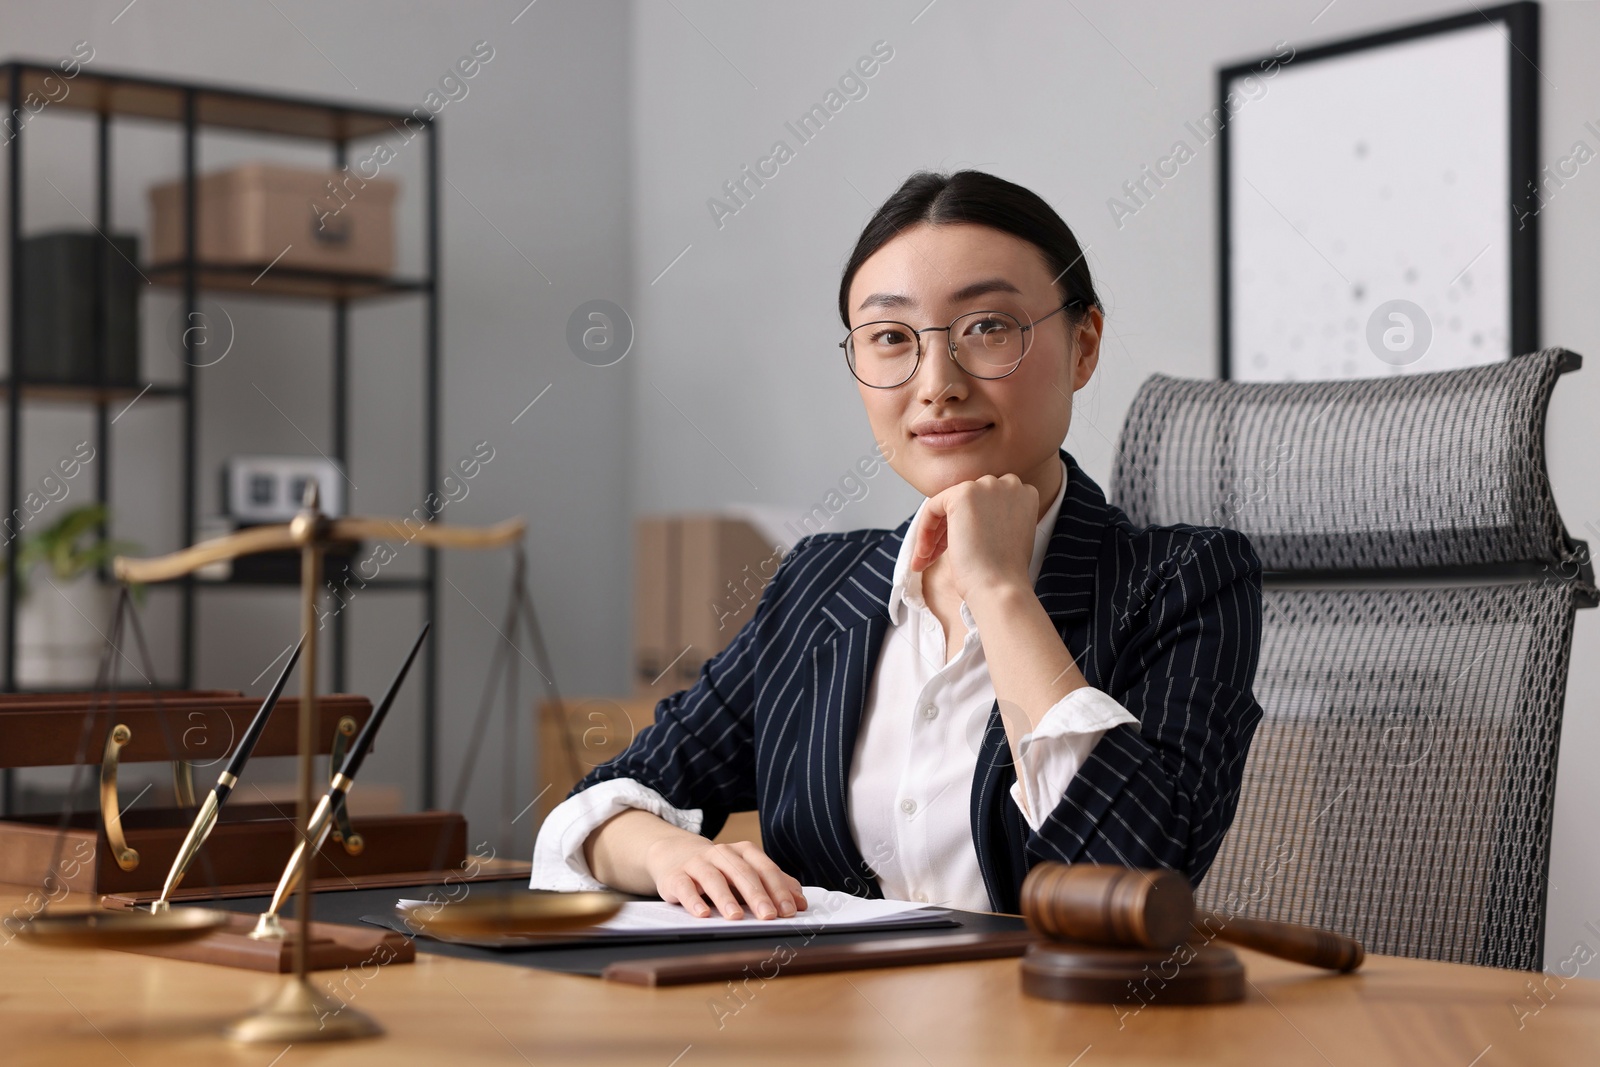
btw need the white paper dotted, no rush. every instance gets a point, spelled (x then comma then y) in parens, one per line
(824, 908)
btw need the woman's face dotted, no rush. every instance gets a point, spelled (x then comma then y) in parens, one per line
(926, 276)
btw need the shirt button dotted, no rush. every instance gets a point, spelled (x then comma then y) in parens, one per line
(930, 625)
(908, 806)
(923, 897)
(930, 712)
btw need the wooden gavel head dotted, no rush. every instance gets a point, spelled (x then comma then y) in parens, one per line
(1104, 905)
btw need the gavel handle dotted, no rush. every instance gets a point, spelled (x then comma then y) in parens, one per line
(1290, 941)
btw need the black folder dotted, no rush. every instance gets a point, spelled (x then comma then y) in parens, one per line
(376, 907)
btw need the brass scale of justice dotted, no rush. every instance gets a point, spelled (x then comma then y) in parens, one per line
(300, 1012)
(1097, 934)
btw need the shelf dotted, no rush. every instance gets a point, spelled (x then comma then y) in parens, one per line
(106, 100)
(63, 393)
(136, 96)
(399, 583)
(266, 280)
(393, 584)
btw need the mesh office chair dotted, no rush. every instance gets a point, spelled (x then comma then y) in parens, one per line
(1418, 598)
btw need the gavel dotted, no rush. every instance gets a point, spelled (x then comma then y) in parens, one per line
(1110, 929)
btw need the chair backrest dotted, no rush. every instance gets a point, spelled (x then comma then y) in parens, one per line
(1418, 597)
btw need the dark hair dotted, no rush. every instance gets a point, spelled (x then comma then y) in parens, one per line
(973, 196)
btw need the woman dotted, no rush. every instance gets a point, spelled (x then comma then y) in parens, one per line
(1104, 715)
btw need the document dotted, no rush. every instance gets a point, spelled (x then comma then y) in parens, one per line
(827, 910)
(824, 908)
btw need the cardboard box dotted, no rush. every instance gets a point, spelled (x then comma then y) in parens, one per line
(697, 578)
(578, 735)
(656, 581)
(251, 214)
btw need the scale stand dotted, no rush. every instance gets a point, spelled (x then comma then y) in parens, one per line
(300, 1012)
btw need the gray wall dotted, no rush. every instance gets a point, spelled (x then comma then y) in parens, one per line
(590, 145)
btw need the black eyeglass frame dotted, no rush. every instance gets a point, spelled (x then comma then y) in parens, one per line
(950, 346)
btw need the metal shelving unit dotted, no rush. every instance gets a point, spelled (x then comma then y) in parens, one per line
(195, 107)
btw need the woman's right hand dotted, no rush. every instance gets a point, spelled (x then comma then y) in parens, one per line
(688, 869)
(639, 852)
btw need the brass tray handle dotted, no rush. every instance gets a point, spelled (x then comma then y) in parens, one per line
(110, 812)
(342, 831)
(183, 783)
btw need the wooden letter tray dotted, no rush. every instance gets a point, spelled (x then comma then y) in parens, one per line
(247, 850)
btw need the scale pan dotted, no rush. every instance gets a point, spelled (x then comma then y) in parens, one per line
(503, 914)
(101, 928)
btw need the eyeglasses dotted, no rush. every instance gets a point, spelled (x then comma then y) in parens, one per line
(985, 344)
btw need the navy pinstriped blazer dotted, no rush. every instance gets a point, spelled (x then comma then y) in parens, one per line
(1166, 619)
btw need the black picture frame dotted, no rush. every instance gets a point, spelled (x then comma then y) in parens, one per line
(1520, 26)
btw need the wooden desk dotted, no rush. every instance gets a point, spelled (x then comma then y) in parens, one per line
(98, 1007)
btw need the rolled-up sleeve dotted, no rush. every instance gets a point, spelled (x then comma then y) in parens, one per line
(558, 861)
(1051, 753)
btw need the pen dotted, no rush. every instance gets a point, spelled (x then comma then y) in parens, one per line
(322, 819)
(203, 823)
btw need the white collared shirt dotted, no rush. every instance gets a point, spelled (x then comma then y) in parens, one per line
(910, 783)
(911, 779)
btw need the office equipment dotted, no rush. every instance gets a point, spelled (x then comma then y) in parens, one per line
(1419, 597)
(260, 489)
(509, 917)
(128, 853)
(649, 921)
(321, 821)
(123, 930)
(1108, 929)
(591, 956)
(819, 959)
(300, 1011)
(207, 819)
(825, 909)
(1105, 905)
(331, 946)
(203, 935)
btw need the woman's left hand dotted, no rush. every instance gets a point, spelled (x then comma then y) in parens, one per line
(986, 525)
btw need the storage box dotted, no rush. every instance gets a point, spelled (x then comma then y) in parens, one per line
(697, 578)
(578, 735)
(59, 341)
(252, 214)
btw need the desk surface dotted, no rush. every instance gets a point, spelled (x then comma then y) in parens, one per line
(92, 1007)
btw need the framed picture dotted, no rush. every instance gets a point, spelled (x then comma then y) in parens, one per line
(1379, 201)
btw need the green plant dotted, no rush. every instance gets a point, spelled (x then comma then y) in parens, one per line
(72, 545)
